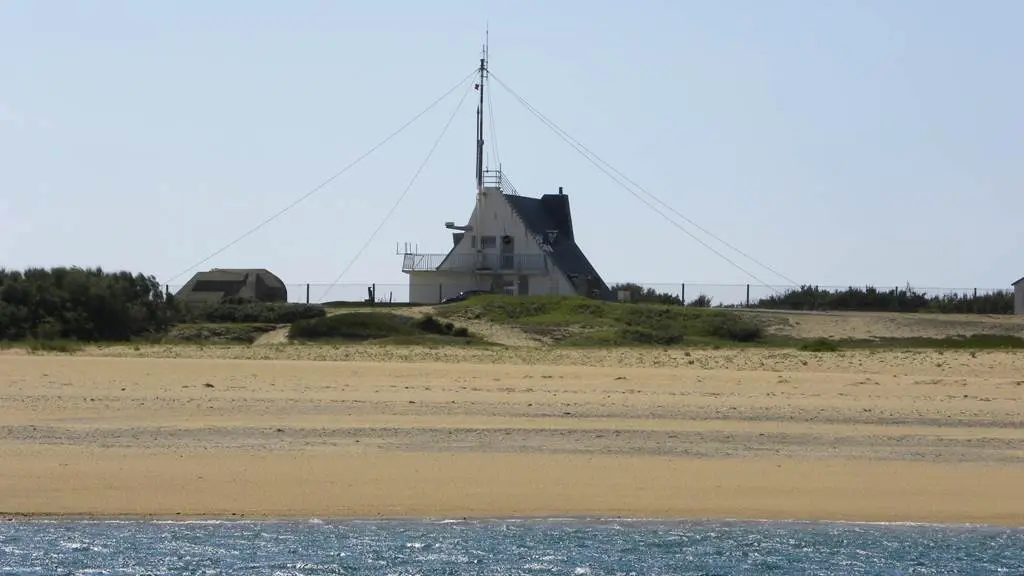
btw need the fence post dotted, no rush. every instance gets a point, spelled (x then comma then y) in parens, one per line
(975, 293)
(373, 294)
(307, 292)
(682, 294)
(748, 295)
(440, 292)
(167, 289)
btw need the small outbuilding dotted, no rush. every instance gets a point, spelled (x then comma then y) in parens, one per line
(220, 283)
(1018, 297)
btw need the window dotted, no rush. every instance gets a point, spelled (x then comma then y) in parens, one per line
(225, 286)
(488, 242)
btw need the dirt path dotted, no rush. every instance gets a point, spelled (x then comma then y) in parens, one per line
(496, 333)
(279, 336)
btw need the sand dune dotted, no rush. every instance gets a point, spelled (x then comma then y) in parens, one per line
(369, 430)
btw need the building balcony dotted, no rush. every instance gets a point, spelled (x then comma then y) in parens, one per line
(485, 263)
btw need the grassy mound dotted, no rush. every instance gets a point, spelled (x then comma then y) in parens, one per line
(364, 326)
(230, 311)
(232, 333)
(581, 321)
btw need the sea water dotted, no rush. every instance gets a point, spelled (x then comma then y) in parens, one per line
(574, 547)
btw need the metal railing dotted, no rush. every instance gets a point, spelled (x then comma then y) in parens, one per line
(421, 262)
(720, 294)
(497, 179)
(483, 263)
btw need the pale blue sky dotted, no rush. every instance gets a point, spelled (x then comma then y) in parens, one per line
(837, 142)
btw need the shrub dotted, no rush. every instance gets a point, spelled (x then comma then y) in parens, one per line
(701, 301)
(820, 345)
(888, 300)
(237, 310)
(639, 294)
(243, 333)
(432, 325)
(80, 304)
(361, 326)
(732, 327)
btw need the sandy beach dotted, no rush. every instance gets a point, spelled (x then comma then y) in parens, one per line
(366, 431)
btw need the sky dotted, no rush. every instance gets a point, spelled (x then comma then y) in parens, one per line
(835, 143)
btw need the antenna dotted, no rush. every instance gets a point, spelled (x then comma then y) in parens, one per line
(480, 118)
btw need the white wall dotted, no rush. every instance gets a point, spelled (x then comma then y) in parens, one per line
(1018, 299)
(496, 218)
(430, 287)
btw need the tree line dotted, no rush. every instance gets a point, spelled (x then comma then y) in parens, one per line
(868, 299)
(80, 304)
(93, 305)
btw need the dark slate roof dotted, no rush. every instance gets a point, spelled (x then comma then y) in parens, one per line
(1018, 282)
(551, 212)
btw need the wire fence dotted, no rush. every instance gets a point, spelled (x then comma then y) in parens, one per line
(729, 295)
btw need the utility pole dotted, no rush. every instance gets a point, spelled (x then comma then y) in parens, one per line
(480, 155)
(480, 123)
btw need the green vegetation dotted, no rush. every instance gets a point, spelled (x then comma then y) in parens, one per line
(365, 326)
(871, 299)
(55, 309)
(972, 342)
(237, 333)
(819, 345)
(584, 322)
(341, 304)
(80, 304)
(235, 310)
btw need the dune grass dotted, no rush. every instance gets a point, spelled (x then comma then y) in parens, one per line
(971, 342)
(577, 321)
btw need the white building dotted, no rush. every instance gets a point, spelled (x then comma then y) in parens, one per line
(512, 244)
(1018, 297)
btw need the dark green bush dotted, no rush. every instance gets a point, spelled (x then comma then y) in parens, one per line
(80, 304)
(362, 326)
(432, 325)
(819, 345)
(639, 294)
(733, 327)
(872, 299)
(236, 310)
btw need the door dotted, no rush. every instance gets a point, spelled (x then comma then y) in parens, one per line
(524, 284)
(508, 250)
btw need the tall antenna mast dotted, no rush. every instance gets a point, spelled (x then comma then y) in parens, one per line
(480, 119)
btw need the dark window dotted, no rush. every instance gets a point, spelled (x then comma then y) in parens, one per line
(225, 286)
